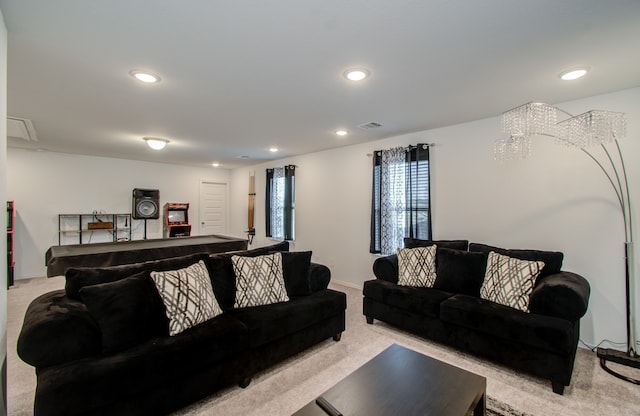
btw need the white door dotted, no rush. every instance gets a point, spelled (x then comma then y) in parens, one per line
(213, 208)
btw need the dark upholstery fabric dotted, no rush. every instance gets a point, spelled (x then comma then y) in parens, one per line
(544, 332)
(319, 277)
(92, 383)
(61, 324)
(128, 311)
(552, 259)
(267, 323)
(223, 279)
(386, 268)
(295, 268)
(162, 374)
(564, 295)
(460, 271)
(77, 278)
(420, 300)
(452, 244)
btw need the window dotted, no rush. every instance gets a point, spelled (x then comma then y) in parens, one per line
(280, 203)
(400, 205)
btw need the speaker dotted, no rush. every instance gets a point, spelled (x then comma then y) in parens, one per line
(146, 204)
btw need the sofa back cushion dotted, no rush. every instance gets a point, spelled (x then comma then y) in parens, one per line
(128, 311)
(77, 278)
(460, 272)
(223, 279)
(453, 244)
(552, 259)
(295, 266)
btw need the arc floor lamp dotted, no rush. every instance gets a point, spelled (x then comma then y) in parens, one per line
(593, 128)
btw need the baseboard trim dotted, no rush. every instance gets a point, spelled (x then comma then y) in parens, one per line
(347, 284)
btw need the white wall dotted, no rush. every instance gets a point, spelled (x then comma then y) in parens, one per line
(45, 184)
(555, 200)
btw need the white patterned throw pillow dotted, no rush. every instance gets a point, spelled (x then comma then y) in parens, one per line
(259, 280)
(187, 296)
(417, 266)
(509, 281)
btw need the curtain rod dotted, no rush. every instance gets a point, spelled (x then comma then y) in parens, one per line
(409, 147)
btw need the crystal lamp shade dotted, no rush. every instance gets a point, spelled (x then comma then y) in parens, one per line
(530, 119)
(512, 148)
(592, 128)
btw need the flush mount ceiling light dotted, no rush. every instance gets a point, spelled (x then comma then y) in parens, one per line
(143, 76)
(215, 164)
(273, 149)
(573, 74)
(356, 74)
(156, 143)
(341, 133)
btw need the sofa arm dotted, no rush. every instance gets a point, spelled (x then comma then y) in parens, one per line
(57, 330)
(563, 295)
(319, 277)
(386, 268)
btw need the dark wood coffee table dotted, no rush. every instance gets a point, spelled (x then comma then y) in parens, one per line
(400, 381)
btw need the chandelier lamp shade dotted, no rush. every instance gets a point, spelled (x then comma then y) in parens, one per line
(593, 129)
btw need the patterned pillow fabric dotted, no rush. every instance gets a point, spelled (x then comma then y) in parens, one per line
(417, 266)
(187, 296)
(259, 280)
(509, 281)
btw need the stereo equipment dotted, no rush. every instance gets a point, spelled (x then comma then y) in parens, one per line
(146, 203)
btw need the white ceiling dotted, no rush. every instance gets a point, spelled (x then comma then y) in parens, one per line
(240, 76)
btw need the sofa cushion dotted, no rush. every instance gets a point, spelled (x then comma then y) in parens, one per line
(453, 244)
(417, 266)
(187, 296)
(77, 278)
(552, 259)
(92, 383)
(268, 323)
(418, 300)
(223, 278)
(502, 322)
(128, 311)
(295, 268)
(509, 281)
(259, 280)
(460, 271)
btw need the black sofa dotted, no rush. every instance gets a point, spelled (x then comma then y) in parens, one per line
(124, 362)
(541, 342)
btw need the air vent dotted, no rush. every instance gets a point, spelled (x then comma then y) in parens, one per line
(370, 125)
(21, 128)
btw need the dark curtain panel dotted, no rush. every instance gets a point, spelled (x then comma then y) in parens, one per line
(374, 245)
(267, 202)
(289, 202)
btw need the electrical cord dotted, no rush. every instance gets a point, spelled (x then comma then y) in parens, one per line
(613, 343)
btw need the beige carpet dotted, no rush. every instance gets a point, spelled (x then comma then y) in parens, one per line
(285, 388)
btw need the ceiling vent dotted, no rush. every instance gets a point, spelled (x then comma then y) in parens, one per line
(370, 125)
(21, 128)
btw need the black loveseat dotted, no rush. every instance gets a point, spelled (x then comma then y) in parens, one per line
(115, 356)
(541, 341)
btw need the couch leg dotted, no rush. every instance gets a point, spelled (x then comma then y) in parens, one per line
(244, 382)
(337, 336)
(558, 388)
(369, 320)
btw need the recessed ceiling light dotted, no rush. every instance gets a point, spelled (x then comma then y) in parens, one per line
(356, 74)
(573, 74)
(215, 164)
(273, 149)
(341, 133)
(156, 143)
(146, 77)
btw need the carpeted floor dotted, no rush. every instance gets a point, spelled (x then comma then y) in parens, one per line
(285, 388)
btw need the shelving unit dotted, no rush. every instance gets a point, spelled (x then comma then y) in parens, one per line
(10, 227)
(93, 228)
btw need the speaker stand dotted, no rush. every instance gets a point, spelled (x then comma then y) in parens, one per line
(145, 228)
